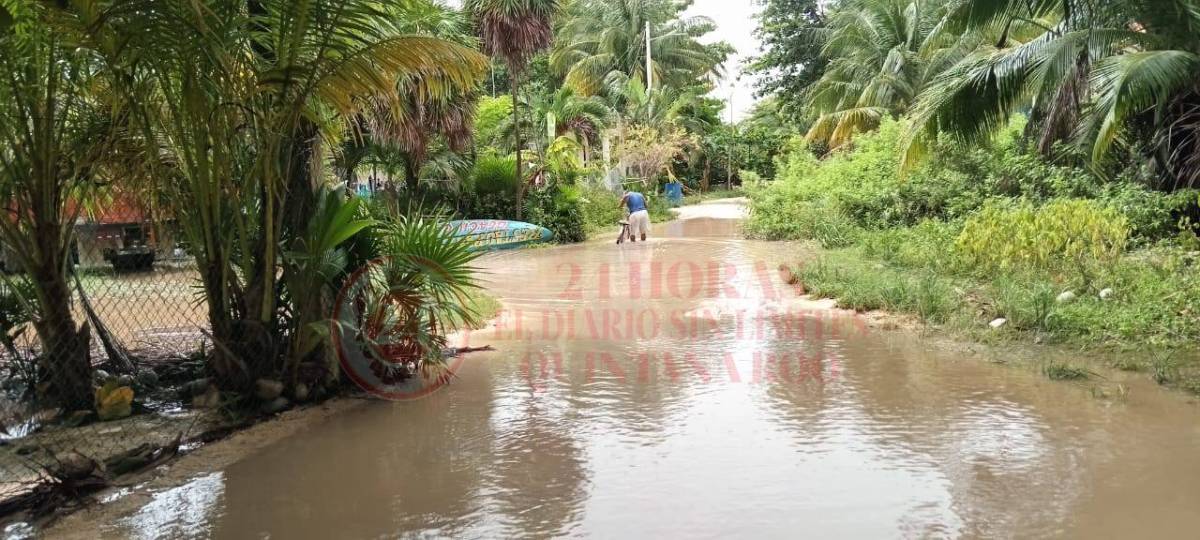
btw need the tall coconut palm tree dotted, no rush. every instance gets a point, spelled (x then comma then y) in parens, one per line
(514, 31)
(1102, 75)
(662, 107)
(882, 54)
(603, 38)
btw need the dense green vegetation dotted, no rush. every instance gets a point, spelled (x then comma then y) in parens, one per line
(288, 143)
(1009, 169)
(985, 232)
(988, 155)
(582, 87)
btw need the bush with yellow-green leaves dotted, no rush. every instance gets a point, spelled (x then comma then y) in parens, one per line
(1062, 236)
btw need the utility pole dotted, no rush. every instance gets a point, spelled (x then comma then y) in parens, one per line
(649, 63)
(732, 136)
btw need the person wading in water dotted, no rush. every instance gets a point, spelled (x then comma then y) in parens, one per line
(639, 218)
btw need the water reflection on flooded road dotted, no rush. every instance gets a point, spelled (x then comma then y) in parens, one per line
(678, 388)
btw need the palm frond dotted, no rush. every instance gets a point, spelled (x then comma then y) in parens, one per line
(1130, 83)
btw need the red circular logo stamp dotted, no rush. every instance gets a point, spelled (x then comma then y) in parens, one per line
(383, 338)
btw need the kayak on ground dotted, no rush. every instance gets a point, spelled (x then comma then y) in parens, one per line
(489, 234)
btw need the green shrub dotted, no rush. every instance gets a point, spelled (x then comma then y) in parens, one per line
(749, 178)
(17, 300)
(489, 115)
(802, 220)
(929, 244)
(600, 210)
(558, 208)
(658, 207)
(1028, 303)
(492, 188)
(1066, 234)
(863, 183)
(494, 175)
(1152, 215)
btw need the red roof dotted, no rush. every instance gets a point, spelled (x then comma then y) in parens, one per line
(121, 210)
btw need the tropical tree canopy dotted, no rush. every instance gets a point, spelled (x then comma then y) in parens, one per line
(791, 60)
(602, 39)
(560, 113)
(881, 54)
(415, 119)
(1104, 76)
(243, 179)
(514, 31)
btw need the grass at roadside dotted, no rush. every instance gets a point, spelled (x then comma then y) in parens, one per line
(697, 198)
(483, 305)
(1148, 313)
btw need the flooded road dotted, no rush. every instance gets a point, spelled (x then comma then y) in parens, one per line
(679, 388)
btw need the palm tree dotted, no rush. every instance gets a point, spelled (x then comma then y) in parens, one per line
(1101, 75)
(235, 97)
(514, 31)
(581, 118)
(55, 132)
(412, 126)
(882, 54)
(662, 107)
(418, 118)
(603, 38)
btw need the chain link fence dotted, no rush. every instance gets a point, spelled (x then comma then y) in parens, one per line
(118, 362)
(134, 339)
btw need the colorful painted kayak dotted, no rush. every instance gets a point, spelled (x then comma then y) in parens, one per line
(487, 234)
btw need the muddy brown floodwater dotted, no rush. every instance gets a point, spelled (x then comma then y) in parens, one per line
(679, 389)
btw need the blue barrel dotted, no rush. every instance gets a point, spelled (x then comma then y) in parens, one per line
(674, 192)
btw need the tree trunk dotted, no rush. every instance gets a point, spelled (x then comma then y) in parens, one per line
(222, 361)
(705, 179)
(66, 356)
(412, 176)
(300, 203)
(517, 135)
(65, 362)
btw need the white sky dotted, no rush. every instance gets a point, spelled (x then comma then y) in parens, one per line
(735, 24)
